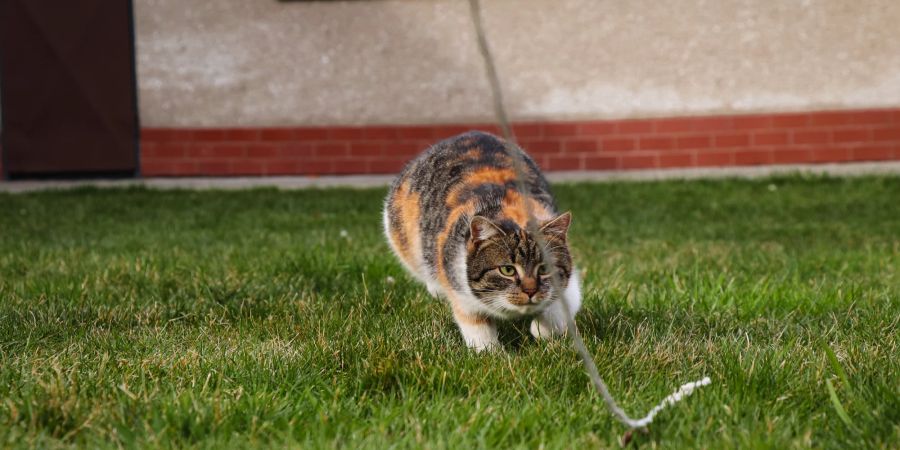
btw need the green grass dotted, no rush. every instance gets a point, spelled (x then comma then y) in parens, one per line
(244, 319)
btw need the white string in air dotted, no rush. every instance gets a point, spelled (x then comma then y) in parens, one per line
(675, 397)
(518, 164)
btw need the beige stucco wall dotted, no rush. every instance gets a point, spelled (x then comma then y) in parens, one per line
(263, 62)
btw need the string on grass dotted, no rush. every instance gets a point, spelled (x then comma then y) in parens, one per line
(532, 226)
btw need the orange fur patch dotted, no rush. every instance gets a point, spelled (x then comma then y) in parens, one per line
(407, 205)
(515, 208)
(493, 175)
(464, 209)
(487, 175)
(462, 316)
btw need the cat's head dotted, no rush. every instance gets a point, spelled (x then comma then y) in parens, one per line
(506, 268)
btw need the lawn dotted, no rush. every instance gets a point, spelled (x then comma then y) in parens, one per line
(132, 317)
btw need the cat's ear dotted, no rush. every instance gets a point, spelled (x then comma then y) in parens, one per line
(557, 228)
(482, 229)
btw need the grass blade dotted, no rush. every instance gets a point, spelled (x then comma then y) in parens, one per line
(836, 402)
(836, 365)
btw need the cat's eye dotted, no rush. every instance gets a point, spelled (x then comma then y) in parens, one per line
(507, 271)
(543, 269)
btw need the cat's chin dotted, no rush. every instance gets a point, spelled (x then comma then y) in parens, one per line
(512, 311)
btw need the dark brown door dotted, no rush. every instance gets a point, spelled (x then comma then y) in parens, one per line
(68, 88)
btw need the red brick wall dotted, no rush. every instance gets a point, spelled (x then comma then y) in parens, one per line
(783, 138)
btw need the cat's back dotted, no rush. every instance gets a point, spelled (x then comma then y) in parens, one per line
(467, 167)
(434, 196)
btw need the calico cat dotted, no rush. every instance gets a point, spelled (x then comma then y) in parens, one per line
(456, 221)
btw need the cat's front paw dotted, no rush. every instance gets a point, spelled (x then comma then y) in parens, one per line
(480, 336)
(484, 346)
(541, 330)
(550, 323)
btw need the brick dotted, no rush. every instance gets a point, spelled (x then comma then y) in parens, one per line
(297, 150)
(634, 126)
(350, 167)
(416, 133)
(276, 134)
(316, 168)
(872, 117)
(858, 135)
(714, 159)
(163, 150)
(790, 120)
(675, 125)
(262, 150)
(831, 118)
(331, 150)
(543, 147)
(886, 134)
(247, 167)
(771, 138)
(732, 140)
(198, 150)
(871, 153)
(752, 157)
(833, 154)
(402, 149)
(676, 159)
(227, 150)
(380, 133)
(559, 162)
(182, 168)
(386, 165)
(346, 133)
(156, 168)
(601, 162)
(213, 167)
(596, 129)
(713, 124)
(638, 161)
(655, 143)
(812, 137)
(560, 129)
(166, 134)
(285, 167)
(790, 156)
(311, 134)
(241, 134)
(366, 149)
(208, 135)
(617, 144)
(580, 146)
(691, 142)
(528, 130)
(752, 122)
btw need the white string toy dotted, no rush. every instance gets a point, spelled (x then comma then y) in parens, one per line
(571, 329)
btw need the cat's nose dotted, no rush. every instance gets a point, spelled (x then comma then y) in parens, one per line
(529, 287)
